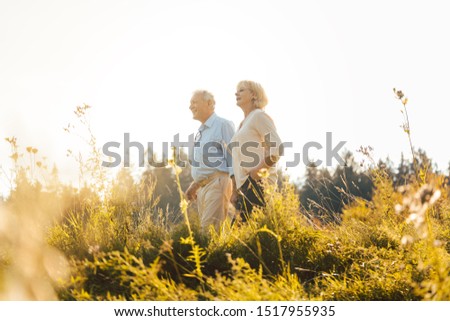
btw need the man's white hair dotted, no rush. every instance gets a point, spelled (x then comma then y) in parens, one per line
(207, 96)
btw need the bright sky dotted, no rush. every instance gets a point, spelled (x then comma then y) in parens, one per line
(327, 66)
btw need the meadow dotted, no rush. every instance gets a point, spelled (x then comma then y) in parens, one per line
(112, 239)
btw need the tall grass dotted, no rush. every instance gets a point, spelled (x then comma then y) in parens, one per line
(279, 255)
(111, 242)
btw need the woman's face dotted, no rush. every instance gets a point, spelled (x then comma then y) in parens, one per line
(244, 96)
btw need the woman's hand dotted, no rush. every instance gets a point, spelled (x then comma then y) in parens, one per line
(262, 170)
(254, 174)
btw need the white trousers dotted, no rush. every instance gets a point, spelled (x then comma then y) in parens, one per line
(213, 201)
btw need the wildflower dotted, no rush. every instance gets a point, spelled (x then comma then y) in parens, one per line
(406, 128)
(94, 249)
(183, 205)
(12, 140)
(172, 164)
(404, 189)
(407, 240)
(417, 206)
(366, 151)
(398, 208)
(29, 148)
(399, 93)
(263, 173)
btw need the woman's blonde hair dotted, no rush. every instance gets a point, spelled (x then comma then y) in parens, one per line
(260, 100)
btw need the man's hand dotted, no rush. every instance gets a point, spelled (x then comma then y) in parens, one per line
(191, 192)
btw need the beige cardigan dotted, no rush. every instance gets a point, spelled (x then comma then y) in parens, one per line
(248, 149)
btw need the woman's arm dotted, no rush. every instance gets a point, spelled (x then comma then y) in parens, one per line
(271, 142)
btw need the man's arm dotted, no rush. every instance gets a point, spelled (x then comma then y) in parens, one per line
(191, 192)
(227, 133)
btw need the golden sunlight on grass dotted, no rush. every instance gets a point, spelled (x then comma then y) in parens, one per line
(354, 234)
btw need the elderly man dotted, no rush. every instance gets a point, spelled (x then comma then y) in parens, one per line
(211, 163)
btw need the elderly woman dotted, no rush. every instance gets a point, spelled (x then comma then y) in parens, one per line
(256, 148)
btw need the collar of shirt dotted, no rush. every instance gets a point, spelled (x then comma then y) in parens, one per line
(208, 123)
(250, 115)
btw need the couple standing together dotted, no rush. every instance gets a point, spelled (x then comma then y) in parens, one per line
(228, 164)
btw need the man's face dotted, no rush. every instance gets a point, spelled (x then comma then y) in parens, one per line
(200, 108)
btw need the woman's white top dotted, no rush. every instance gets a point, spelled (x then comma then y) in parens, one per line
(253, 142)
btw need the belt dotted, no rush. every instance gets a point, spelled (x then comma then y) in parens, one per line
(208, 180)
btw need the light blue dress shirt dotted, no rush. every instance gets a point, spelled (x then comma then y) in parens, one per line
(210, 153)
